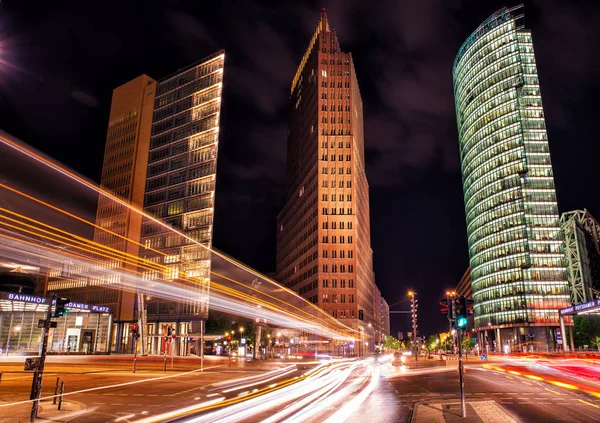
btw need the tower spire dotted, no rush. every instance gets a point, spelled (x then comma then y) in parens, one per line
(323, 22)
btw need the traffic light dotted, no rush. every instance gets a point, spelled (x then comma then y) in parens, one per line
(470, 306)
(361, 315)
(444, 306)
(460, 311)
(61, 309)
(134, 329)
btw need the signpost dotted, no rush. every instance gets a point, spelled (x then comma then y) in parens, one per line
(38, 362)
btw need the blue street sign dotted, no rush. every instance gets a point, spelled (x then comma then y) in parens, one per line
(483, 357)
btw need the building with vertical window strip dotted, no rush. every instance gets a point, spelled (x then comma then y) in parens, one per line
(517, 260)
(180, 190)
(323, 235)
(161, 154)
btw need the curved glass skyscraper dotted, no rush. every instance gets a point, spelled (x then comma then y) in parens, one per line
(515, 247)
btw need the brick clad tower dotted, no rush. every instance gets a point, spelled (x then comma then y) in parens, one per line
(323, 235)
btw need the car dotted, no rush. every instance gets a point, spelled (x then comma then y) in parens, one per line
(398, 359)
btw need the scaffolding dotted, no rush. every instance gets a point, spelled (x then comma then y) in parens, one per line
(582, 247)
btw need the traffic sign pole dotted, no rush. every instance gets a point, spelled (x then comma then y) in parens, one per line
(461, 376)
(38, 375)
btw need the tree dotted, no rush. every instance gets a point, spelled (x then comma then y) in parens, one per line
(391, 343)
(468, 344)
(432, 343)
(586, 330)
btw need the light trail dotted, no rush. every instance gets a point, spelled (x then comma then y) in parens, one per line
(278, 303)
(551, 371)
(28, 152)
(223, 298)
(313, 393)
(117, 385)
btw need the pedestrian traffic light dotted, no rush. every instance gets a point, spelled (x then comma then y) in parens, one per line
(61, 309)
(361, 315)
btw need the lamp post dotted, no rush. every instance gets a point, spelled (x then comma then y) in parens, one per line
(450, 295)
(241, 336)
(362, 340)
(413, 310)
(280, 341)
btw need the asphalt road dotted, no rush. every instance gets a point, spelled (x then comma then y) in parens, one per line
(392, 392)
(112, 391)
(525, 399)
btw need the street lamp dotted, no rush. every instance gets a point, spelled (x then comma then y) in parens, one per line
(413, 311)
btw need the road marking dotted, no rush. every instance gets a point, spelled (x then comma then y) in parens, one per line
(588, 403)
(125, 417)
(553, 391)
(212, 395)
(564, 385)
(527, 383)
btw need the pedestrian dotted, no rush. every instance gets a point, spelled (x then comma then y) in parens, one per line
(68, 349)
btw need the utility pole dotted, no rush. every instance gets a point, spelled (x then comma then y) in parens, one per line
(413, 310)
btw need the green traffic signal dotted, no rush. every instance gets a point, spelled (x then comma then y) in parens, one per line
(461, 322)
(61, 309)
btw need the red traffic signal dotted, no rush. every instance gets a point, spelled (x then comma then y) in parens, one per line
(444, 306)
(133, 327)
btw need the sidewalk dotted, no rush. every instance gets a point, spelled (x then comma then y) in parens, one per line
(477, 411)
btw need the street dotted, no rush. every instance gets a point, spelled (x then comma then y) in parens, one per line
(504, 389)
(100, 388)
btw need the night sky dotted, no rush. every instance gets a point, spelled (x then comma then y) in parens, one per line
(60, 60)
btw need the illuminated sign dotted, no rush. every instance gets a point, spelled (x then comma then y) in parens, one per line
(42, 300)
(580, 307)
(25, 298)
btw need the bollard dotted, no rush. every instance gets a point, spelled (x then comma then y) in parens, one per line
(0, 376)
(62, 390)
(165, 364)
(55, 391)
(34, 404)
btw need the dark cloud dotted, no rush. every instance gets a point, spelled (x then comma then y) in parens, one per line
(403, 53)
(84, 98)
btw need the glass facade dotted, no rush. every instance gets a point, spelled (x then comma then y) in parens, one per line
(180, 184)
(515, 245)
